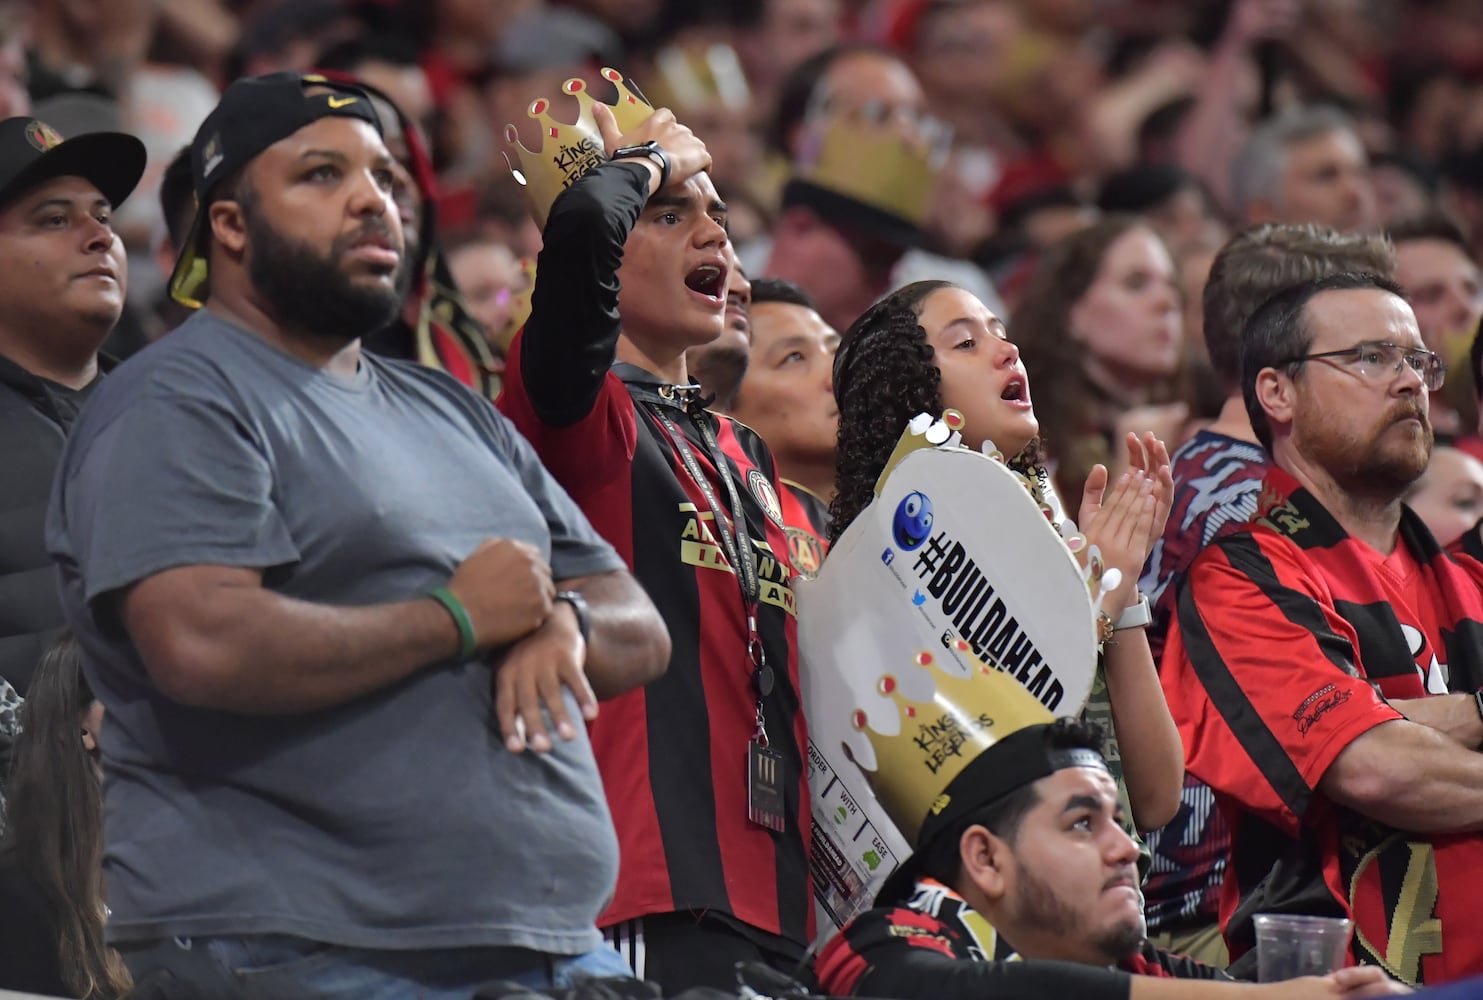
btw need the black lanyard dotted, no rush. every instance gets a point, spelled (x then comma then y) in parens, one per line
(732, 532)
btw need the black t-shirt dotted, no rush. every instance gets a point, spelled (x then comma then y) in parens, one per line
(28, 933)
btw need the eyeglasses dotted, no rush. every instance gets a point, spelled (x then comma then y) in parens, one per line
(1379, 362)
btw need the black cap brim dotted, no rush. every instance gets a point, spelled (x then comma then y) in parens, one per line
(113, 162)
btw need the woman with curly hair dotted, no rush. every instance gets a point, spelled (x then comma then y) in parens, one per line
(51, 855)
(932, 346)
(1100, 326)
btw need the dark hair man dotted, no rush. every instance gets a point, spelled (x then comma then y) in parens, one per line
(1217, 479)
(316, 591)
(63, 278)
(787, 396)
(704, 769)
(1325, 658)
(1030, 891)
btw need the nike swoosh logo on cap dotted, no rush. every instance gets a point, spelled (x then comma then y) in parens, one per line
(340, 102)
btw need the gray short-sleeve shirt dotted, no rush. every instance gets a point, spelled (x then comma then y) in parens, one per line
(397, 820)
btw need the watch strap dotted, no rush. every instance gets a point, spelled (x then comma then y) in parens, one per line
(579, 605)
(651, 151)
(1135, 616)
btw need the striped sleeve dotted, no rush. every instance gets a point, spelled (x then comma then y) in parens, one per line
(912, 956)
(1261, 678)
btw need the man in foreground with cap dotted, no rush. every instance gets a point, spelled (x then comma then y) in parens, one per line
(328, 600)
(63, 276)
(1024, 884)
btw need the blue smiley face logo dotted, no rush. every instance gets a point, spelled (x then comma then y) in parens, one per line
(913, 521)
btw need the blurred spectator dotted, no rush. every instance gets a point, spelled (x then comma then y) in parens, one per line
(699, 77)
(1099, 329)
(15, 97)
(92, 45)
(1462, 193)
(1444, 286)
(177, 212)
(1442, 281)
(787, 396)
(493, 282)
(785, 34)
(52, 908)
(1449, 495)
(1305, 165)
(823, 243)
(390, 64)
(63, 280)
(1170, 199)
(289, 35)
(1406, 186)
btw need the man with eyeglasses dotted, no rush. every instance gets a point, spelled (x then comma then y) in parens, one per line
(1325, 657)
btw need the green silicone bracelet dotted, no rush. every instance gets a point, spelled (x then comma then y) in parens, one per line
(467, 644)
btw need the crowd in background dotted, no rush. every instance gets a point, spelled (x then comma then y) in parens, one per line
(1059, 112)
(1088, 160)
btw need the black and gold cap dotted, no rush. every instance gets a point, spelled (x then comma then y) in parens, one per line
(31, 151)
(253, 114)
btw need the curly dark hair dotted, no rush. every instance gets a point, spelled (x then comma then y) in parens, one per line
(884, 374)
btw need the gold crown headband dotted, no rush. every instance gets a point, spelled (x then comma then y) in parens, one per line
(569, 151)
(928, 725)
(869, 157)
(691, 76)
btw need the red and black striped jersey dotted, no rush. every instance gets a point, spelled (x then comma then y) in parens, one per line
(1290, 636)
(673, 755)
(932, 947)
(806, 520)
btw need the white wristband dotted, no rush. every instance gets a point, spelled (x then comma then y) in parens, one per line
(1135, 615)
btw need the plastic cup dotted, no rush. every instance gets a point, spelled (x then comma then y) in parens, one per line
(1289, 946)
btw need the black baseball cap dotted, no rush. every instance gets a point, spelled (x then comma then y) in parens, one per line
(253, 114)
(1019, 759)
(31, 151)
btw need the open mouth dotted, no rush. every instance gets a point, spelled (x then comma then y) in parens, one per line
(708, 280)
(1014, 392)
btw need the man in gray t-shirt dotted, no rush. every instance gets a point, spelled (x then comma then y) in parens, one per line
(316, 773)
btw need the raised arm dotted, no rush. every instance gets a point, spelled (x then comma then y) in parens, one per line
(571, 337)
(1124, 519)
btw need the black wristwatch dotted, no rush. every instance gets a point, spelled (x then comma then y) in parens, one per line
(650, 151)
(579, 605)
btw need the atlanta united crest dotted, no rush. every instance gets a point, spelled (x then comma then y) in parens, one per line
(766, 496)
(42, 136)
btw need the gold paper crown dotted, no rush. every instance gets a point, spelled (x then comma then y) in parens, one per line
(692, 76)
(869, 158)
(938, 737)
(569, 151)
